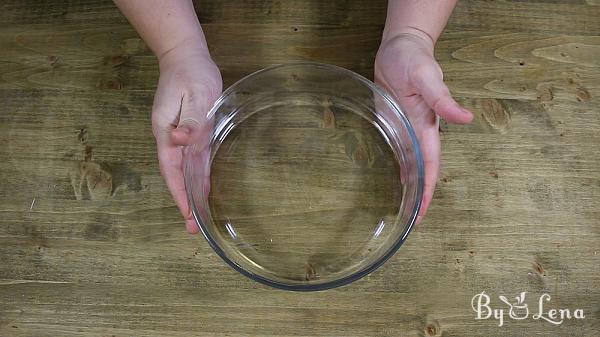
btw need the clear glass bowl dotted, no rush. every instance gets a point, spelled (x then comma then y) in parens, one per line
(312, 177)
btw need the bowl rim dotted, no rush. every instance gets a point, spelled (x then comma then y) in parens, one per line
(362, 272)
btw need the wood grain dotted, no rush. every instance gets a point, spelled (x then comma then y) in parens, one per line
(91, 243)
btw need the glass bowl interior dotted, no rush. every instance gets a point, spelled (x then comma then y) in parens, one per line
(312, 176)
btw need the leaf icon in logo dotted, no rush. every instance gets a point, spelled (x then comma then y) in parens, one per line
(505, 300)
(521, 298)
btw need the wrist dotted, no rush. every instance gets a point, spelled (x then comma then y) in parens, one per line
(415, 37)
(184, 50)
(408, 31)
(193, 45)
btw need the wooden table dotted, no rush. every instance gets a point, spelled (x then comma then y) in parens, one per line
(92, 245)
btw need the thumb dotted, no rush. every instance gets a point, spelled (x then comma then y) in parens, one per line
(428, 80)
(193, 126)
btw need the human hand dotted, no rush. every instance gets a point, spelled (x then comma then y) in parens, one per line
(189, 84)
(406, 67)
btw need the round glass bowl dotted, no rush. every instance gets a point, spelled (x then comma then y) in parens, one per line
(312, 176)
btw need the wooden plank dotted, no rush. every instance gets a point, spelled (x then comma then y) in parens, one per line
(516, 207)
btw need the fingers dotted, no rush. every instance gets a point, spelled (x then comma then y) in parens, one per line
(167, 103)
(431, 149)
(193, 127)
(190, 132)
(191, 226)
(170, 159)
(428, 80)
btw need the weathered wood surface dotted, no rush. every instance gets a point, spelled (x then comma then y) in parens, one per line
(516, 208)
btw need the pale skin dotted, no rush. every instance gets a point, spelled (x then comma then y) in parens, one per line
(190, 81)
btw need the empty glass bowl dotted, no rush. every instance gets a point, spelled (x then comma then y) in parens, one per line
(312, 177)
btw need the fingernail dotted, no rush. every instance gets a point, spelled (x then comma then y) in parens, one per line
(191, 227)
(419, 218)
